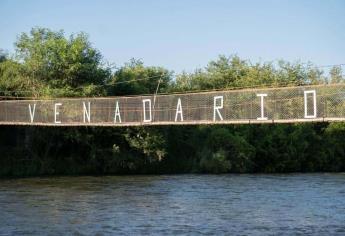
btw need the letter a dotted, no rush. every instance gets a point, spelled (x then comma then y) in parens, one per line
(179, 110)
(117, 112)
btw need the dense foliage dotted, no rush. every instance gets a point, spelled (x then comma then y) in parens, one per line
(47, 64)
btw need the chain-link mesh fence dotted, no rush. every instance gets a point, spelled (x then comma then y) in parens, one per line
(278, 105)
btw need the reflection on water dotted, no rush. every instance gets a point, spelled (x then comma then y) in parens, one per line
(181, 204)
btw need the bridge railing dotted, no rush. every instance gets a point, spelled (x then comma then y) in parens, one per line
(277, 105)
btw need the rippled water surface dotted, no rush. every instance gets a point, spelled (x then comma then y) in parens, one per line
(182, 204)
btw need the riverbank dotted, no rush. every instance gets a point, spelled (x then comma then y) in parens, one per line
(279, 148)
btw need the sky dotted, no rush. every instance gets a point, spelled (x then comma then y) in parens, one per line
(182, 35)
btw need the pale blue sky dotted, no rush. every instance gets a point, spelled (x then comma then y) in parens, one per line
(187, 34)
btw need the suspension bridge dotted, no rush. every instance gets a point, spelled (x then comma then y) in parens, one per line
(317, 103)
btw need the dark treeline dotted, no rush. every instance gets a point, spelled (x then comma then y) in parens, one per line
(47, 64)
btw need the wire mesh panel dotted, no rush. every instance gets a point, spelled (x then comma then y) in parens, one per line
(287, 104)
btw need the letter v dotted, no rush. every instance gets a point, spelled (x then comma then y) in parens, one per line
(32, 112)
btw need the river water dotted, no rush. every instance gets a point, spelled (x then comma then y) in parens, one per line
(174, 204)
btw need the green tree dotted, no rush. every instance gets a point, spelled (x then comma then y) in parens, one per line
(134, 78)
(335, 75)
(49, 64)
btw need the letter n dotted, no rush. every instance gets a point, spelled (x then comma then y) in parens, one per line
(86, 112)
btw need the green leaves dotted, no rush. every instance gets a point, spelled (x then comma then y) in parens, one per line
(134, 78)
(148, 142)
(233, 72)
(48, 64)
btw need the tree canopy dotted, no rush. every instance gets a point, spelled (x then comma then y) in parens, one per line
(47, 64)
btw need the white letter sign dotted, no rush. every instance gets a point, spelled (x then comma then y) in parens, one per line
(144, 110)
(117, 112)
(179, 110)
(86, 112)
(56, 113)
(216, 108)
(313, 92)
(32, 112)
(262, 95)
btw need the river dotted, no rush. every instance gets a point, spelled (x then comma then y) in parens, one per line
(174, 204)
